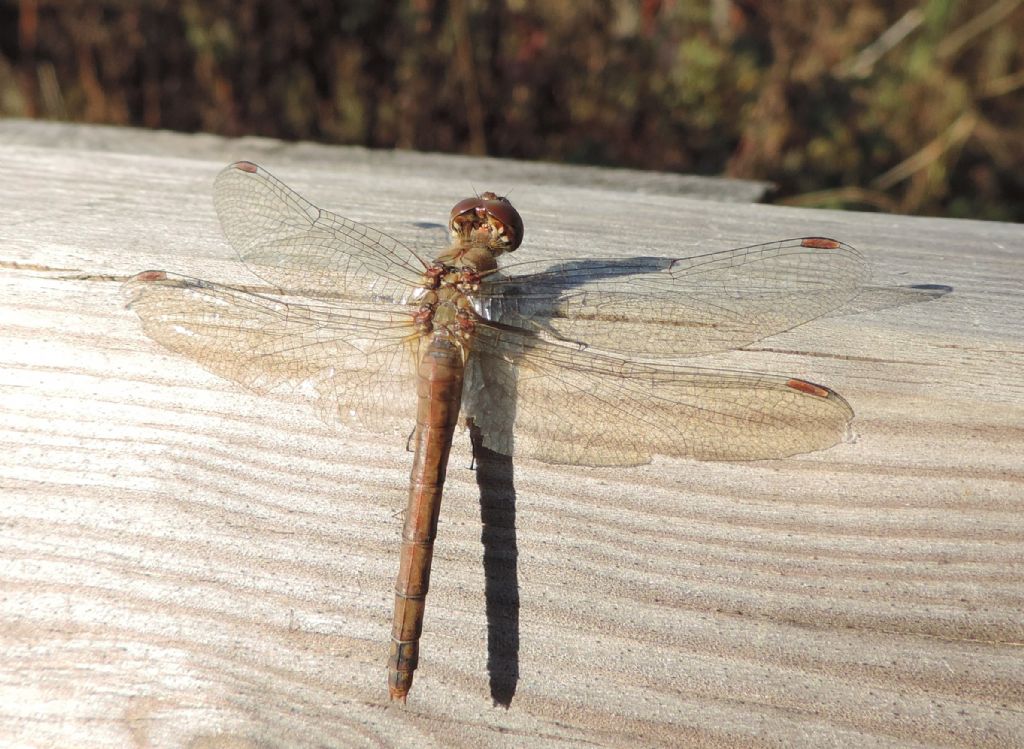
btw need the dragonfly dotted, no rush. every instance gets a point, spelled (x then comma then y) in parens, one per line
(581, 363)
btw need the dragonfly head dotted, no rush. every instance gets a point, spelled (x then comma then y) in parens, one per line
(489, 219)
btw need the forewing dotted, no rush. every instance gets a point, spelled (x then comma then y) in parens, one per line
(301, 249)
(680, 307)
(577, 407)
(352, 362)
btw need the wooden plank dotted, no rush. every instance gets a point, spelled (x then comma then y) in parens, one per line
(353, 160)
(184, 563)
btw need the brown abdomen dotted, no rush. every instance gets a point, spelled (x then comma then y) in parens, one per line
(439, 390)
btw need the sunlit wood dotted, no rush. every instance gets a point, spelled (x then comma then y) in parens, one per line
(185, 563)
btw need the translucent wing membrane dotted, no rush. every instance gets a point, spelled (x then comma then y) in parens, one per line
(353, 362)
(670, 308)
(550, 372)
(563, 405)
(289, 242)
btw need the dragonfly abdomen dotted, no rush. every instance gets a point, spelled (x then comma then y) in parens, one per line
(439, 395)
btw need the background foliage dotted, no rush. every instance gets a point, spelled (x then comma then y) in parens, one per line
(901, 106)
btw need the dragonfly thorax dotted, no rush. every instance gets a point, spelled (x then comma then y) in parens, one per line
(445, 307)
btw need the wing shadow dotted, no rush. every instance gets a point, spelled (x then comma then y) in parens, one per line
(878, 298)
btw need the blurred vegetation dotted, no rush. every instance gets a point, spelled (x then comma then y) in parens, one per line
(914, 107)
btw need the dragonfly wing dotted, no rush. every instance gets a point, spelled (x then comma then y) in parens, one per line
(579, 407)
(489, 396)
(299, 248)
(352, 362)
(683, 307)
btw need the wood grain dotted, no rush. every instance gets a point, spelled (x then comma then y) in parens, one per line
(186, 564)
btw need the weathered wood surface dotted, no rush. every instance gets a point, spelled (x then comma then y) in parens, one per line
(362, 161)
(186, 564)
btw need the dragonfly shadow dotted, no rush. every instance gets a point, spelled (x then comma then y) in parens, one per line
(494, 476)
(879, 298)
(565, 276)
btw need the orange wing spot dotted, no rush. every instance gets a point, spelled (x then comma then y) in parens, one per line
(820, 243)
(246, 166)
(808, 387)
(150, 275)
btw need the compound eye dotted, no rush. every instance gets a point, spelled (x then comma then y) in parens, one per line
(501, 209)
(464, 206)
